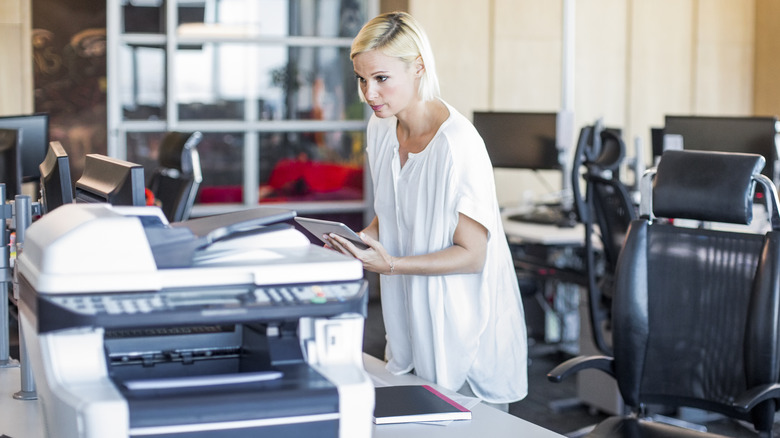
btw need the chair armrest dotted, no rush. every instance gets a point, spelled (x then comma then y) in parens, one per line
(753, 396)
(576, 364)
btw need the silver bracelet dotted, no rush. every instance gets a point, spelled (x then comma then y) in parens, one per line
(392, 266)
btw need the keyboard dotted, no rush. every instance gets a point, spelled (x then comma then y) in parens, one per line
(547, 216)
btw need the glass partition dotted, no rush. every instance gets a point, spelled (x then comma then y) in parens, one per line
(268, 82)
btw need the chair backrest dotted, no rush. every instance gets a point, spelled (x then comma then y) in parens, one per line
(606, 210)
(176, 180)
(610, 203)
(695, 309)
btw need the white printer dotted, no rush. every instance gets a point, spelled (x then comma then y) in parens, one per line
(226, 326)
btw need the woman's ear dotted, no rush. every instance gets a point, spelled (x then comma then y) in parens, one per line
(419, 66)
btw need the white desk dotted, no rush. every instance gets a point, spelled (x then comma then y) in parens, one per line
(18, 418)
(543, 234)
(485, 422)
(556, 257)
(22, 419)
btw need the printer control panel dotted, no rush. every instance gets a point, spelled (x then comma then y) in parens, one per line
(166, 301)
(204, 305)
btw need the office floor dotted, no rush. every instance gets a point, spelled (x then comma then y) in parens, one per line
(571, 419)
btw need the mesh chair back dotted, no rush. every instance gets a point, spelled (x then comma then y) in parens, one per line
(606, 210)
(695, 312)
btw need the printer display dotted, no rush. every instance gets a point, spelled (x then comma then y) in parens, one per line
(227, 326)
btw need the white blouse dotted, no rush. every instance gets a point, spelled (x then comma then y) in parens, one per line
(451, 328)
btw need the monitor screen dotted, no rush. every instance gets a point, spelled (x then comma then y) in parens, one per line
(520, 140)
(111, 180)
(56, 187)
(10, 163)
(755, 135)
(35, 139)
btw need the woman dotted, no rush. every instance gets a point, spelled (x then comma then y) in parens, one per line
(450, 299)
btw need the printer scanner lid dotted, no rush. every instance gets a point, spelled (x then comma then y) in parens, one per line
(82, 248)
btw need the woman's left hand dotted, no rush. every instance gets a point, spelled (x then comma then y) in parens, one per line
(375, 258)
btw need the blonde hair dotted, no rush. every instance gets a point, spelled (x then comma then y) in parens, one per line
(399, 35)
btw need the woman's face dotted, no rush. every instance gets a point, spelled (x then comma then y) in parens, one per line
(388, 83)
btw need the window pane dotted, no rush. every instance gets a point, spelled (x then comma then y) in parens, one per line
(148, 16)
(142, 85)
(143, 148)
(311, 166)
(322, 18)
(222, 158)
(279, 83)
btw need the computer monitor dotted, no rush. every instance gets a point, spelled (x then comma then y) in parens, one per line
(107, 179)
(34, 141)
(521, 140)
(530, 140)
(56, 186)
(755, 135)
(10, 163)
(657, 141)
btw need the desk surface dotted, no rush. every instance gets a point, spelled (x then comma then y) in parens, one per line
(527, 232)
(18, 418)
(485, 422)
(22, 419)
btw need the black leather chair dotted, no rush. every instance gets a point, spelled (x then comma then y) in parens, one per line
(696, 310)
(176, 180)
(605, 210)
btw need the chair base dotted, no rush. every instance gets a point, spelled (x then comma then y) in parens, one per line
(630, 427)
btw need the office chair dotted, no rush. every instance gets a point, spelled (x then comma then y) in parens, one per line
(696, 310)
(176, 180)
(606, 210)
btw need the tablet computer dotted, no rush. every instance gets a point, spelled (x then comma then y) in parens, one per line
(318, 227)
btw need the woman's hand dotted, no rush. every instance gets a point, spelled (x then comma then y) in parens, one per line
(375, 258)
(466, 255)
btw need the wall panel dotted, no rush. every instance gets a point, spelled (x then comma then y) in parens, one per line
(724, 57)
(527, 65)
(16, 89)
(459, 34)
(601, 61)
(766, 83)
(660, 64)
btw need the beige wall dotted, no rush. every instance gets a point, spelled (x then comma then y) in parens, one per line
(16, 87)
(635, 61)
(463, 73)
(766, 77)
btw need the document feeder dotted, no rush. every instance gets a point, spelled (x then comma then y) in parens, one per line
(254, 335)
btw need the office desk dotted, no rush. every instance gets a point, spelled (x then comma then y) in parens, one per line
(18, 418)
(22, 419)
(543, 234)
(550, 265)
(485, 422)
(547, 250)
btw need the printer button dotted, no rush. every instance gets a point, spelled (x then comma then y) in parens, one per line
(304, 294)
(129, 307)
(287, 295)
(274, 294)
(112, 307)
(157, 302)
(143, 306)
(319, 295)
(262, 297)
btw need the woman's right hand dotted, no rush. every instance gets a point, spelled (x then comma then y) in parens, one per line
(375, 258)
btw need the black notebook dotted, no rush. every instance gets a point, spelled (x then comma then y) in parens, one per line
(415, 403)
